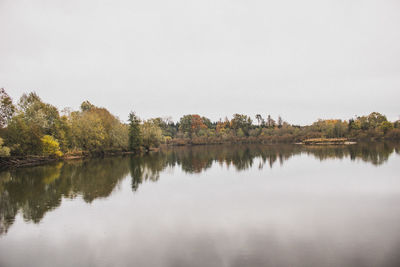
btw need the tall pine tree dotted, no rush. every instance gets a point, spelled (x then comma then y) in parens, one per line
(135, 139)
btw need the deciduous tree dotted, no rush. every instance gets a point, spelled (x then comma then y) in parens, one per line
(151, 134)
(7, 108)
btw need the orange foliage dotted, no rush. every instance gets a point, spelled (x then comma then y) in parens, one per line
(197, 123)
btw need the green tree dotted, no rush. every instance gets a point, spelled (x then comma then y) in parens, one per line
(206, 121)
(88, 131)
(151, 134)
(63, 133)
(35, 111)
(23, 136)
(375, 119)
(119, 135)
(192, 124)
(86, 106)
(167, 126)
(4, 151)
(241, 121)
(95, 129)
(386, 126)
(134, 132)
(185, 124)
(372, 121)
(354, 125)
(340, 128)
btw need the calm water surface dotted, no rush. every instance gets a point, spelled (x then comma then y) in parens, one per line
(207, 206)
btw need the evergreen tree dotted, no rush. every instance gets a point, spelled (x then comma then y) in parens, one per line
(135, 139)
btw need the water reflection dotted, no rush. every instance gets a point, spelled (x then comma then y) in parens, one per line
(35, 191)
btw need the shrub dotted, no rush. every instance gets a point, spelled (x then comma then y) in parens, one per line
(50, 146)
(4, 151)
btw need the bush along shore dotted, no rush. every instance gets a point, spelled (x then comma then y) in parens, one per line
(32, 131)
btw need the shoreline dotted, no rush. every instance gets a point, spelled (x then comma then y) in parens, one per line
(31, 161)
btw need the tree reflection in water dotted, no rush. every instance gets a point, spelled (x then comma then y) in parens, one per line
(37, 190)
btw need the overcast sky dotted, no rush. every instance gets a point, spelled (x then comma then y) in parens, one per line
(302, 60)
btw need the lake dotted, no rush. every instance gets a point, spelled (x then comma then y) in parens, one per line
(243, 205)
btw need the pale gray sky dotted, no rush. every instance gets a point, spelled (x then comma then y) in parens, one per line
(300, 59)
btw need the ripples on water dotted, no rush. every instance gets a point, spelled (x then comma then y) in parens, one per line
(286, 205)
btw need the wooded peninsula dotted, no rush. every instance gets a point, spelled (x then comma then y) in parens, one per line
(31, 127)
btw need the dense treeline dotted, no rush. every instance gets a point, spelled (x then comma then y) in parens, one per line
(33, 127)
(241, 129)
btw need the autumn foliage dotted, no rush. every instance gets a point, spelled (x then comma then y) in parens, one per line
(33, 127)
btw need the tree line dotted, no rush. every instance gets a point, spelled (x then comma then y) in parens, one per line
(32, 127)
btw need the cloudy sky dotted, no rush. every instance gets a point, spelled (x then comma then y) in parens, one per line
(302, 60)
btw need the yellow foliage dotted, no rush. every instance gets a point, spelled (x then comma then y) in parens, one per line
(167, 139)
(50, 146)
(4, 151)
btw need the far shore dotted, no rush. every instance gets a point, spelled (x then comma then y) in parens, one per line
(327, 141)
